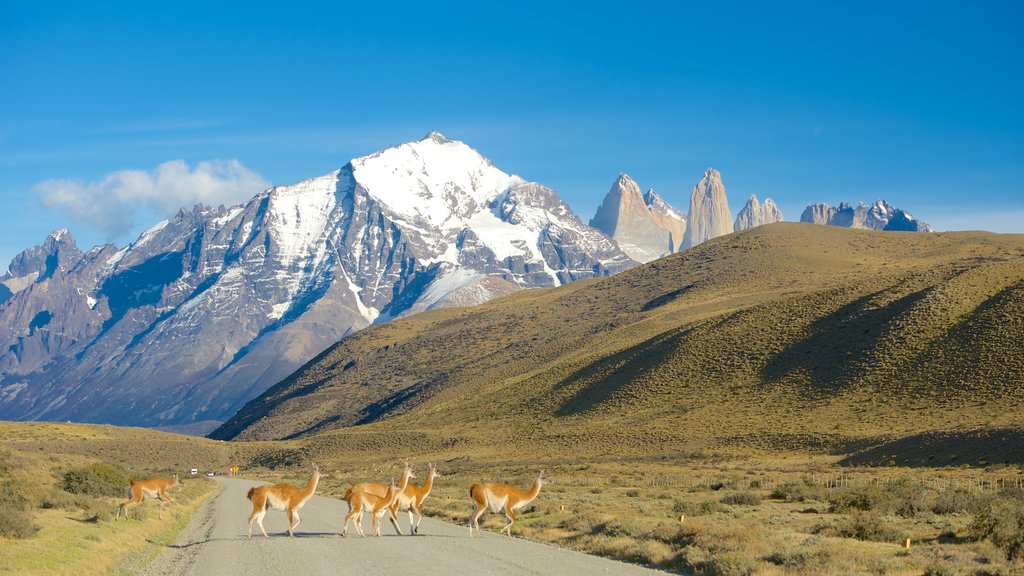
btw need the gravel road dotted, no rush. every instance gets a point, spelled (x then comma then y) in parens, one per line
(214, 543)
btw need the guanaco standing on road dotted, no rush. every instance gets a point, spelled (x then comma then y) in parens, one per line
(368, 497)
(498, 497)
(150, 488)
(412, 498)
(281, 497)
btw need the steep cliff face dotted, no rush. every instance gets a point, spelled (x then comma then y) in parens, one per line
(756, 214)
(709, 215)
(818, 213)
(208, 309)
(643, 225)
(667, 217)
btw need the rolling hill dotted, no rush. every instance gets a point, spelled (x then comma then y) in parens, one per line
(781, 337)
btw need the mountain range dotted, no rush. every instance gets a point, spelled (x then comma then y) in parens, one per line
(208, 309)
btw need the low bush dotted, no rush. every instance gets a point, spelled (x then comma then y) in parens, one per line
(797, 492)
(741, 499)
(697, 508)
(613, 528)
(956, 501)
(98, 479)
(869, 526)
(15, 495)
(16, 524)
(1002, 522)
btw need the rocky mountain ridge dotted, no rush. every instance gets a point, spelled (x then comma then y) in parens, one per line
(209, 308)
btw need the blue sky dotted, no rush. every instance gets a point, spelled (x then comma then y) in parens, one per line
(917, 103)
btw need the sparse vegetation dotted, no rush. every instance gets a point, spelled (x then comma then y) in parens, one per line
(56, 486)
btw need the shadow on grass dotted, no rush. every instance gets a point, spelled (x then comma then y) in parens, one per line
(994, 446)
(839, 342)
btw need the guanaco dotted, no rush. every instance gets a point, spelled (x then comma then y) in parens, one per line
(147, 489)
(366, 498)
(498, 497)
(412, 498)
(281, 497)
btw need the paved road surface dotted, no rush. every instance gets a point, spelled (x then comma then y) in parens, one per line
(214, 543)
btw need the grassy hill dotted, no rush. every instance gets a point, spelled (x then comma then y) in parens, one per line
(783, 337)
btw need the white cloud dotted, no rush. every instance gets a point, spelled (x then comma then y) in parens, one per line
(110, 204)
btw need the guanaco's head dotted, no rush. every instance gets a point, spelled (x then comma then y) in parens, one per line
(542, 479)
(174, 479)
(433, 470)
(407, 471)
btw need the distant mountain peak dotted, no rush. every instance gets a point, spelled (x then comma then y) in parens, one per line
(880, 215)
(755, 213)
(436, 137)
(643, 225)
(709, 215)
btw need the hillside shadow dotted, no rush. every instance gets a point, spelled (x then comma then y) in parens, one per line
(602, 379)
(996, 446)
(839, 342)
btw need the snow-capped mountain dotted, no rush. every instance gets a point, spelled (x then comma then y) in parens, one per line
(644, 225)
(206, 310)
(878, 216)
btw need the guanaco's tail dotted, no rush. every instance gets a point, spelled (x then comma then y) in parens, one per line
(251, 492)
(348, 495)
(131, 482)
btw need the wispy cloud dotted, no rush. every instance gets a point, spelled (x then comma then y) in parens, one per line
(110, 205)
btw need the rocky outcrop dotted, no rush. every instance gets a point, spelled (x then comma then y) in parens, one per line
(756, 214)
(709, 215)
(878, 216)
(818, 213)
(667, 217)
(643, 225)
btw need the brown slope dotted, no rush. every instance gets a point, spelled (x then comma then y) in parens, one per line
(782, 336)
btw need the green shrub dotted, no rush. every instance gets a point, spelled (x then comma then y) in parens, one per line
(856, 499)
(613, 528)
(797, 492)
(956, 501)
(741, 499)
(697, 508)
(15, 495)
(869, 526)
(730, 563)
(98, 479)
(55, 499)
(16, 524)
(1002, 522)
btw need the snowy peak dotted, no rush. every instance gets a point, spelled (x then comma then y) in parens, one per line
(429, 181)
(436, 137)
(756, 214)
